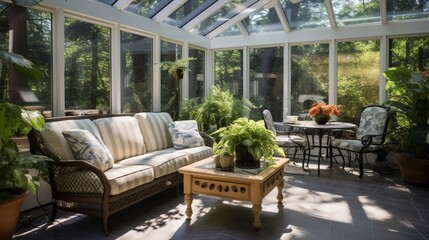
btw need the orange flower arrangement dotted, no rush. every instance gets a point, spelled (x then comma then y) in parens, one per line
(322, 108)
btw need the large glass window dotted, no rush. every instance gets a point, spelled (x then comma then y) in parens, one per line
(358, 76)
(265, 20)
(229, 71)
(310, 74)
(407, 9)
(87, 67)
(30, 37)
(170, 87)
(355, 11)
(409, 52)
(305, 14)
(196, 73)
(266, 81)
(136, 72)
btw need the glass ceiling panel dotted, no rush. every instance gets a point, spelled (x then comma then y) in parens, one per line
(110, 2)
(265, 20)
(230, 10)
(356, 11)
(411, 9)
(147, 8)
(187, 12)
(232, 31)
(303, 14)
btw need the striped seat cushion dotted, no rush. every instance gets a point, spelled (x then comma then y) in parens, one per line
(122, 136)
(54, 141)
(196, 154)
(153, 127)
(163, 161)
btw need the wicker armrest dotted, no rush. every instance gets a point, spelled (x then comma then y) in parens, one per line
(208, 140)
(78, 176)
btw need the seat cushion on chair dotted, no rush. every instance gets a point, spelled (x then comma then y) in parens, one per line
(372, 122)
(353, 145)
(290, 141)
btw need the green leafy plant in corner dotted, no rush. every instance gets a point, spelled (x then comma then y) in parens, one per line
(258, 140)
(408, 94)
(15, 169)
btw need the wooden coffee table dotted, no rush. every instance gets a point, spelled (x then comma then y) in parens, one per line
(203, 178)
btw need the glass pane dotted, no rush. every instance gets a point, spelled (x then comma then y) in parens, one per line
(136, 73)
(87, 67)
(229, 71)
(32, 38)
(232, 31)
(147, 8)
(221, 16)
(265, 20)
(188, 11)
(196, 73)
(310, 74)
(170, 88)
(110, 2)
(356, 11)
(305, 14)
(407, 9)
(266, 81)
(358, 77)
(412, 53)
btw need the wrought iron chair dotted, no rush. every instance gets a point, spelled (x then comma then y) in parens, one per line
(285, 138)
(369, 136)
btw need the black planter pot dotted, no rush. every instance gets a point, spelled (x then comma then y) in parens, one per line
(244, 159)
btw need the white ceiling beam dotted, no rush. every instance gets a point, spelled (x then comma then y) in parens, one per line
(242, 29)
(331, 15)
(282, 16)
(205, 14)
(169, 9)
(122, 4)
(383, 11)
(249, 10)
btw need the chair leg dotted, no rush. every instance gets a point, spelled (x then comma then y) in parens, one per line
(360, 165)
(342, 157)
(53, 214)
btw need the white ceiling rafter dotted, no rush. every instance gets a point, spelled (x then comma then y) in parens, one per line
(122, 4)
(383, 11)
(169, 9)
(282, 16)
(251, 9)
(331, 16)
(242, 29)
(205, 14)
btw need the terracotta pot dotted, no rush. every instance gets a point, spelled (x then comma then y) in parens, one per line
(9, 214)
(414, 170)
(216, 160)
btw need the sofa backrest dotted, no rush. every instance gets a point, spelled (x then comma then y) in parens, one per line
(122, 136)
(55, 142)
(153, 127)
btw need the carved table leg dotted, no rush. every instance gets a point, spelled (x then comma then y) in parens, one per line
(280, 193)
(188, 200)
(257, 209)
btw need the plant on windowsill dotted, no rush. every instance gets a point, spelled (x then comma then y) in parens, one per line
(249, 140)
(408, 94)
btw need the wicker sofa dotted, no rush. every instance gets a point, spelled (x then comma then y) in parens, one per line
(144, 162)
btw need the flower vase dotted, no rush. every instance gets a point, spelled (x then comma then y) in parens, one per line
(321, 118)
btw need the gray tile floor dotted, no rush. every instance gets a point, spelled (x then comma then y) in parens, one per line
(335, 205)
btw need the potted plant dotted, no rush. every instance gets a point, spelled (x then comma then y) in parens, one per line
(16, 180)
(408, 93)
(249, 140)
(177, 68)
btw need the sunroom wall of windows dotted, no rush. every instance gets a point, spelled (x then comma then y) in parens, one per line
(115, 22)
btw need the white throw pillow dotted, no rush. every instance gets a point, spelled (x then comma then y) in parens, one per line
(85, 146)
(184, 134)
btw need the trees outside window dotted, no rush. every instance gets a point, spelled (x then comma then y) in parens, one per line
(229, 71)
(26, 32)
(136, 72)
(266, 81)
(196, 74)
(358, 77)
(87, 65)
